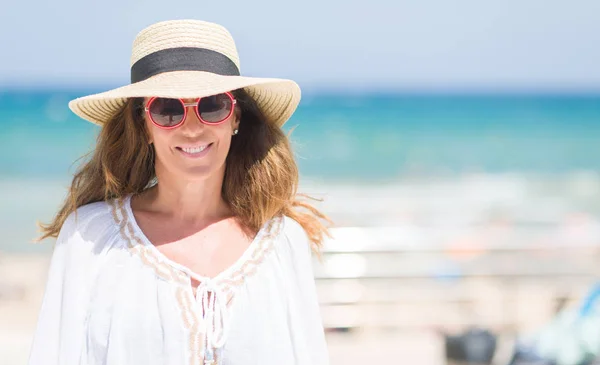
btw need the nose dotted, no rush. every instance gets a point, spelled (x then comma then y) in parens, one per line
(192, 124)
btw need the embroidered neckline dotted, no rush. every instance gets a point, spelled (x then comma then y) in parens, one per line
(255, 247)
(203, 341)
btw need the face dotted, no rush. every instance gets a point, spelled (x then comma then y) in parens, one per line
(194, 150)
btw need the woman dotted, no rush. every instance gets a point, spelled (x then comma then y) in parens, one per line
(181, 240)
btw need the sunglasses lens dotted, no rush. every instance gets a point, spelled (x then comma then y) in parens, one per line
(215, 108)
(166, 112)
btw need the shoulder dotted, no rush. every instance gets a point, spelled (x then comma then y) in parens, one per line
(89, 222)
(292, 230)
(294, 238)
(85, 237)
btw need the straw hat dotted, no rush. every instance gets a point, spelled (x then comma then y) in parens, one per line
(189, 59)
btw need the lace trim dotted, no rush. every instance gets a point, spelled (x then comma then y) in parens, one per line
(184, 295)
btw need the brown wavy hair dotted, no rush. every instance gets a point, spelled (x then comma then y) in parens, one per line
(261, 174)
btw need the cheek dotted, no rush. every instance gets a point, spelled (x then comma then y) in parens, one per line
(225, 134)
(150, 129)
(160, 138)
(224, 140)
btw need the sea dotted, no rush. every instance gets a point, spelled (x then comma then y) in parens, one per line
(373, 158)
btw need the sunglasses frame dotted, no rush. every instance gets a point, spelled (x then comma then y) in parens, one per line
(185, 111)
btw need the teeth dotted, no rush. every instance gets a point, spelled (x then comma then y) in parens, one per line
(195, 149)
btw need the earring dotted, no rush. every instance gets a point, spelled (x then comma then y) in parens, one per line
(235, 131)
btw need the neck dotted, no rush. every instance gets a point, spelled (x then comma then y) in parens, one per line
(190, 202)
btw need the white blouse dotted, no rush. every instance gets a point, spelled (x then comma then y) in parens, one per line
(113, 298)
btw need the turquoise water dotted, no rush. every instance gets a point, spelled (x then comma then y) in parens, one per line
(354, 137)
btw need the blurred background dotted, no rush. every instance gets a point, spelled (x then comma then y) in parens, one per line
(454, 144)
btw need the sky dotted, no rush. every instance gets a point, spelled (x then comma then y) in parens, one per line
(375, 44)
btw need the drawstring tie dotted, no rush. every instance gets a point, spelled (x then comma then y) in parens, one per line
(215, 319)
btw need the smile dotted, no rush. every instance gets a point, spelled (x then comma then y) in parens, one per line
(196, 151)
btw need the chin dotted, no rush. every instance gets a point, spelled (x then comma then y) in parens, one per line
(199, 173)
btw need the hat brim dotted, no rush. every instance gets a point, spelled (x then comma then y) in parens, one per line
(277, 98)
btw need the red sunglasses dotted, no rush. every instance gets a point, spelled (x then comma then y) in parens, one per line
(168, 113)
